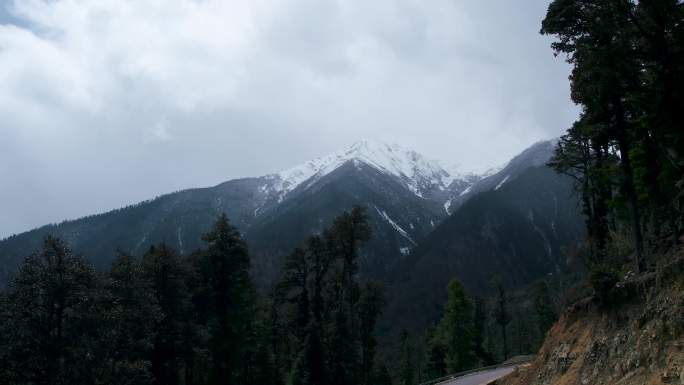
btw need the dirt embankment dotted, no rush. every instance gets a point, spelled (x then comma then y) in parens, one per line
(637, 340)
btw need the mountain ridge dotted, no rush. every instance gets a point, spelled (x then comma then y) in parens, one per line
(405, 193)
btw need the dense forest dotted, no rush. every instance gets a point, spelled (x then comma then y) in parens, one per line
(167, 318)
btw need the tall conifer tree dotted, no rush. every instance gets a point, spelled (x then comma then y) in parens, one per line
(224, 270)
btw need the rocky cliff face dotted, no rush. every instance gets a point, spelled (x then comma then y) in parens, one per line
(639, 340)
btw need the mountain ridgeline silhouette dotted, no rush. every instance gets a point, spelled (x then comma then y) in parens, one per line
(413, 204)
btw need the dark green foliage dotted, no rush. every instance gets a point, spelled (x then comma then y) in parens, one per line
(502, 316)
(479, 328)
(626, 151)
(593, 168)
(325, 317)
(370, 306)
(543, 307)
(259, 366)
(131, 312)
(406, 360)
(521, 332)
(529, 311)
(457, 342)
(458, 329)
(165, 272)
(197, 320)
(49, 320)
(603, 280)
(161, 319)
(228, 294)
(435, 366)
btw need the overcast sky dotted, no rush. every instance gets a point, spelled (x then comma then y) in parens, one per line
(106, 103)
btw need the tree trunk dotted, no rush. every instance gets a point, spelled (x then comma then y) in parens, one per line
(628, 187)
(505, 341)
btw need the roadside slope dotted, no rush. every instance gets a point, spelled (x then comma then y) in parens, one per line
(637, 341)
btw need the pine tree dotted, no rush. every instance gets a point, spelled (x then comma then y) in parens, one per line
(343, 351)
(348, 232)
(479, 324)
(7, 371)
(521, 331)
(370, 307)
(48, 313)
(584, 154)
(165, 273)
(325, 318)
(406, 363)
(436, 354)
(597, 41)
(295, 287)
(457, 328)
(502, 316)
(224, 270)
(627, 76)
(131, 312)
(543, 308)
(259, 362)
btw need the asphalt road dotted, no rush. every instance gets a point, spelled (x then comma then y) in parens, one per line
(480, 377)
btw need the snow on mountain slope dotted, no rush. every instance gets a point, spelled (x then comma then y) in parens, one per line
(504, 180)
(419, 174)
(449, 187)
(394, 225)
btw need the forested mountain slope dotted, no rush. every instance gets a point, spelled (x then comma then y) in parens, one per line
(404, 192)
(517, 233)
(406, 196)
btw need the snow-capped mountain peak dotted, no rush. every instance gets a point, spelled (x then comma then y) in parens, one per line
(418, 173)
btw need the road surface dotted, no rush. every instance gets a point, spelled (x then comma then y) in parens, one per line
(480, 377)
